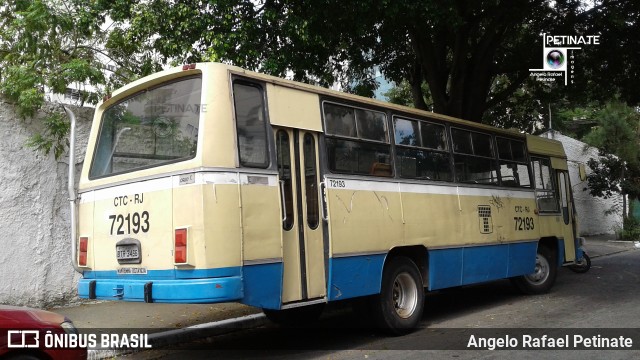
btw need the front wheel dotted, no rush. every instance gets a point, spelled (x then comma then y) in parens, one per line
(583, 265)
(543, 277)
(398, 308)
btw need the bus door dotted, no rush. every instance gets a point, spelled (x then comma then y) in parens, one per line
(568, 217)
(302, 239)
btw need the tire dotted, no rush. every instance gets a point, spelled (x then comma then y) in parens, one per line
(544, 276)
(582, 266)
(296, 316)
(398, 308)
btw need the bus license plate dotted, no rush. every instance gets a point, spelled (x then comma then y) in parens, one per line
(125, 252)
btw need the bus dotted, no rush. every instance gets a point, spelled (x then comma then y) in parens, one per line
(208, 183)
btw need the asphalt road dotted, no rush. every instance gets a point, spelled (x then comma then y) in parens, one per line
(605, 301)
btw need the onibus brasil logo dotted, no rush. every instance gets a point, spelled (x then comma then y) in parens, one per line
(557, 56)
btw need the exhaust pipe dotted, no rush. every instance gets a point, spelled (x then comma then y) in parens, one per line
(72, 189)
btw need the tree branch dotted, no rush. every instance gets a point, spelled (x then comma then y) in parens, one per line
(506, 92)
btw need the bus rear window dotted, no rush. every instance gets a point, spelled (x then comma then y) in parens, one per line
(151, 128)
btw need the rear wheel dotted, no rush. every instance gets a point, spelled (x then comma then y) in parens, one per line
(399, 306)
(543, 277)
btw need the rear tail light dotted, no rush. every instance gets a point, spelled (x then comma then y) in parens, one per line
(82, 254)
(180, 248)
(188, 66)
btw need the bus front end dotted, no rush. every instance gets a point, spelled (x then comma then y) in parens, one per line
(147, 213)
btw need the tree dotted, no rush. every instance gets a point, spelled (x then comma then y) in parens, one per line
(617, 135)
(472, 54)
(50, 44)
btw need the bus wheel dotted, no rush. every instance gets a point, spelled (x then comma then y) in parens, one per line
(583, 265)
(295, 316)
(398, 308)
(543, 277)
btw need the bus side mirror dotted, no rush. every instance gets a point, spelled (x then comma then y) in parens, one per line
(582, 170)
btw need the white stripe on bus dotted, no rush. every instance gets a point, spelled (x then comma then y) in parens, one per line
(166, 183)
(388, 186)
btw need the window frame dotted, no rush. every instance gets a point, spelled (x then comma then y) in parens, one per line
(155, 86)
(447, 142)
(328, 137)
(555, 190)
(526, 162)
(493, 158)
(267, 122)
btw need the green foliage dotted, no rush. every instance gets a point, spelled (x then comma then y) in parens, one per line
(402, 94)
(631, 228)
(617, 132)
(458, 49)
(48, 45)
(605, 177)
(54, 136)
(617, 171)
(473, 56)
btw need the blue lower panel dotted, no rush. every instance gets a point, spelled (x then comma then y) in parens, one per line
(561, 252)
(166, 291)
(355, 276)
(469, 265)
(263, 285)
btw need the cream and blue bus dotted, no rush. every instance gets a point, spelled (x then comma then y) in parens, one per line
(208, 183)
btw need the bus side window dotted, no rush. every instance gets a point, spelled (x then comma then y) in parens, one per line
(546, 192)
(250, 124)
(514, 170)
(357, 141)
(421, 150)
(473, 157)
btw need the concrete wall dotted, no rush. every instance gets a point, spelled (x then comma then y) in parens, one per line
(591, 210)
(35, 260)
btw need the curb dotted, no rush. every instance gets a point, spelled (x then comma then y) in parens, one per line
(190, 333)
(611, 253)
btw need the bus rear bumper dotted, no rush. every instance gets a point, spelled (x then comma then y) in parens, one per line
(207, 290)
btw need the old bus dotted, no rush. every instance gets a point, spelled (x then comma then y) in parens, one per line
(208, 183)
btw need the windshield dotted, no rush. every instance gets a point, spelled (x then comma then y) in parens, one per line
(153, 127)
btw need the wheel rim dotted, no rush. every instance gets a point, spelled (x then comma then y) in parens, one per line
(541, 273)
(405, 295)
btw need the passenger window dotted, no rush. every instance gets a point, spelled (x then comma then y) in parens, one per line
(461, 141)
(514, 170)
(482, 145)
(371, 125)
(340, 120)
(546, 192)
(433, 136)
(250, 125)
(406, 132)
(357, 141)
(421, 151)
(473, 157)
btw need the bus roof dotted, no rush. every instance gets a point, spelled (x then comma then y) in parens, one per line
(363, 100)
(543, 146)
